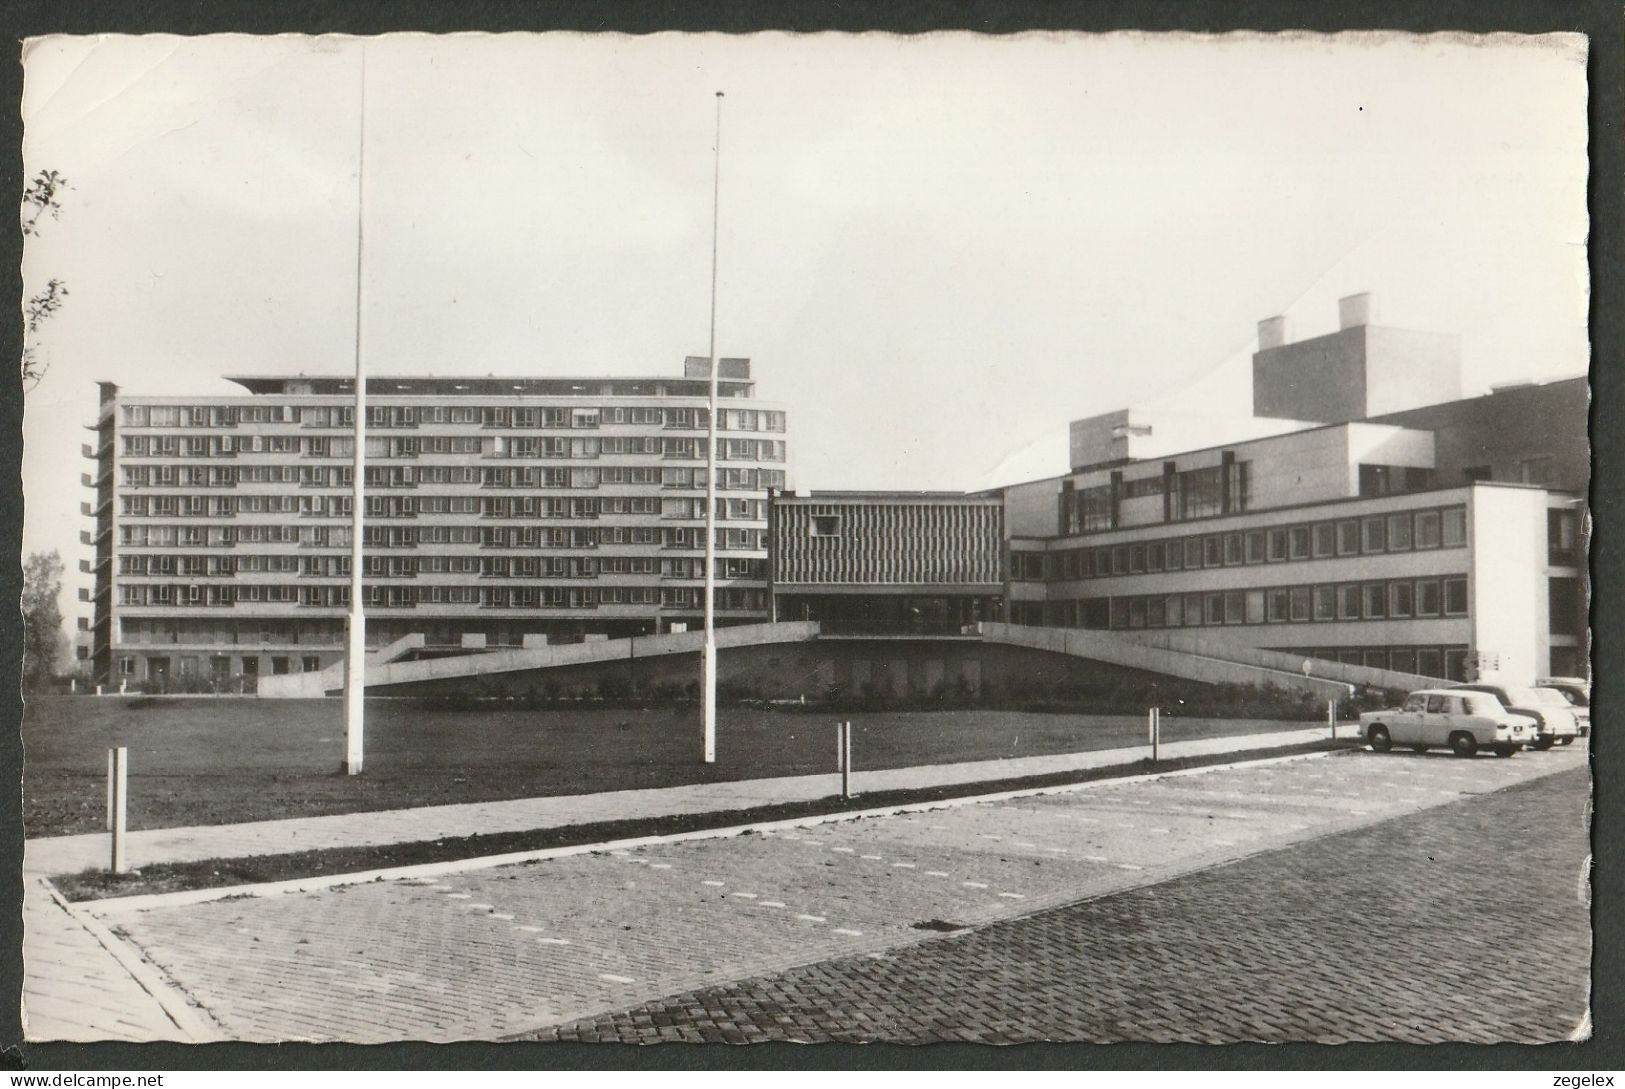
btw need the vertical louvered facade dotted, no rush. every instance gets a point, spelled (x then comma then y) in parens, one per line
(888, 561)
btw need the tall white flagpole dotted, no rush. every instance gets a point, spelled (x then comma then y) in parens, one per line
(355, 682)
(708, 654)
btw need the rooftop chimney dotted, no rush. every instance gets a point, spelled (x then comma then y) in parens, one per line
(1356, 310)
(1271, 333)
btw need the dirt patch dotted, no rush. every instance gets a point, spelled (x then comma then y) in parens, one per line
(228, 872)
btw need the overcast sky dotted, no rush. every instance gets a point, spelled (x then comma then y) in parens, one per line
(936, 251)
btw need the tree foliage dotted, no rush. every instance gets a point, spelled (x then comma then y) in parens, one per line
(42, 617)
(41, 198)
(36, 309)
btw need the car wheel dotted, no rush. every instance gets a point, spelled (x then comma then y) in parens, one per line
(1464, 744)
(1419, 748)
(1505, 750)
(1564, 740)
(1378, 736)
(1544, 743)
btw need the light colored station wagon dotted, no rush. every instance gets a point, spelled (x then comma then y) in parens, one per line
(1465, 721)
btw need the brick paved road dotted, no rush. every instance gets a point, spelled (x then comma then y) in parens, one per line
(1454, 925)
(502, 951)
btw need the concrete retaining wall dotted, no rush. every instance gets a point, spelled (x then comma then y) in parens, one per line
(1109, 647)
(1216, 646)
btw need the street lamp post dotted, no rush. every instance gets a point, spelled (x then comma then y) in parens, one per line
(355, 651)
(708, 652)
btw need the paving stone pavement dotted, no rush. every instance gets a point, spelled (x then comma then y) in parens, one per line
(80, 992)
(1466, 922)
(63, 960)
(496, 952)
(50, 855)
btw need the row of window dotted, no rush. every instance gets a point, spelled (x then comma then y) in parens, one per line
(543, 537)
(382, 506)
(1447, 662)
(380, 446)
(1394, 599)
(731, 419)
(411, 476)
(170, 565)
(1404, 531)
(1191, 494)
(731, 598)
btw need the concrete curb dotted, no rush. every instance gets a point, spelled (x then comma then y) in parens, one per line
(188, 1019)
(113, 907)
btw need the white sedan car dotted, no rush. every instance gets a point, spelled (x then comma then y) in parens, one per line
(1464, 721)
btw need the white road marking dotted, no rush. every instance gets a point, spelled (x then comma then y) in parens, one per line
(660, 865)
(478, 907)
(811, 918)
(714, 884)
(458, 895)
(615, 978)
(843, 930)
(936, 873)
(902, 865)
(1128, 866)
(772, 903)
(554, 941)
(531, 929)
(871, 858)
(1026, 845)
(845, 850)
(974, 884)
(1012, 896)
(503, 917)
(1094, 858)
(744, 895)
(1057, 850)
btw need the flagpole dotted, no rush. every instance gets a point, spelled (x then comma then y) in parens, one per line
(708, 654)
(355, 682)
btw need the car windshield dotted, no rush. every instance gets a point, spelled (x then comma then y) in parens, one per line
(1481, 703)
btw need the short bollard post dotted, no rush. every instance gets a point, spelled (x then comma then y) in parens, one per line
(118, 779)
(1331, 716)
(843, 756)
(1156, 734)
(112, 759)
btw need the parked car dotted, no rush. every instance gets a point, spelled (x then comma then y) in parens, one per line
(1578, 693)
(1554, 717)
(1466, 721)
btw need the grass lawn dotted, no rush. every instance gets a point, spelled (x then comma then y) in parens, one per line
(220, 761)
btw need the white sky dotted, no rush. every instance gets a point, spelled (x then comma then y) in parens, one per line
(936, 251)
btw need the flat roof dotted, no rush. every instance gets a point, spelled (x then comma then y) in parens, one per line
(487, 386)
(887, 497)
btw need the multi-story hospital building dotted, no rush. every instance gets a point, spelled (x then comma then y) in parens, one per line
(496, 507)
(1364, 512)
